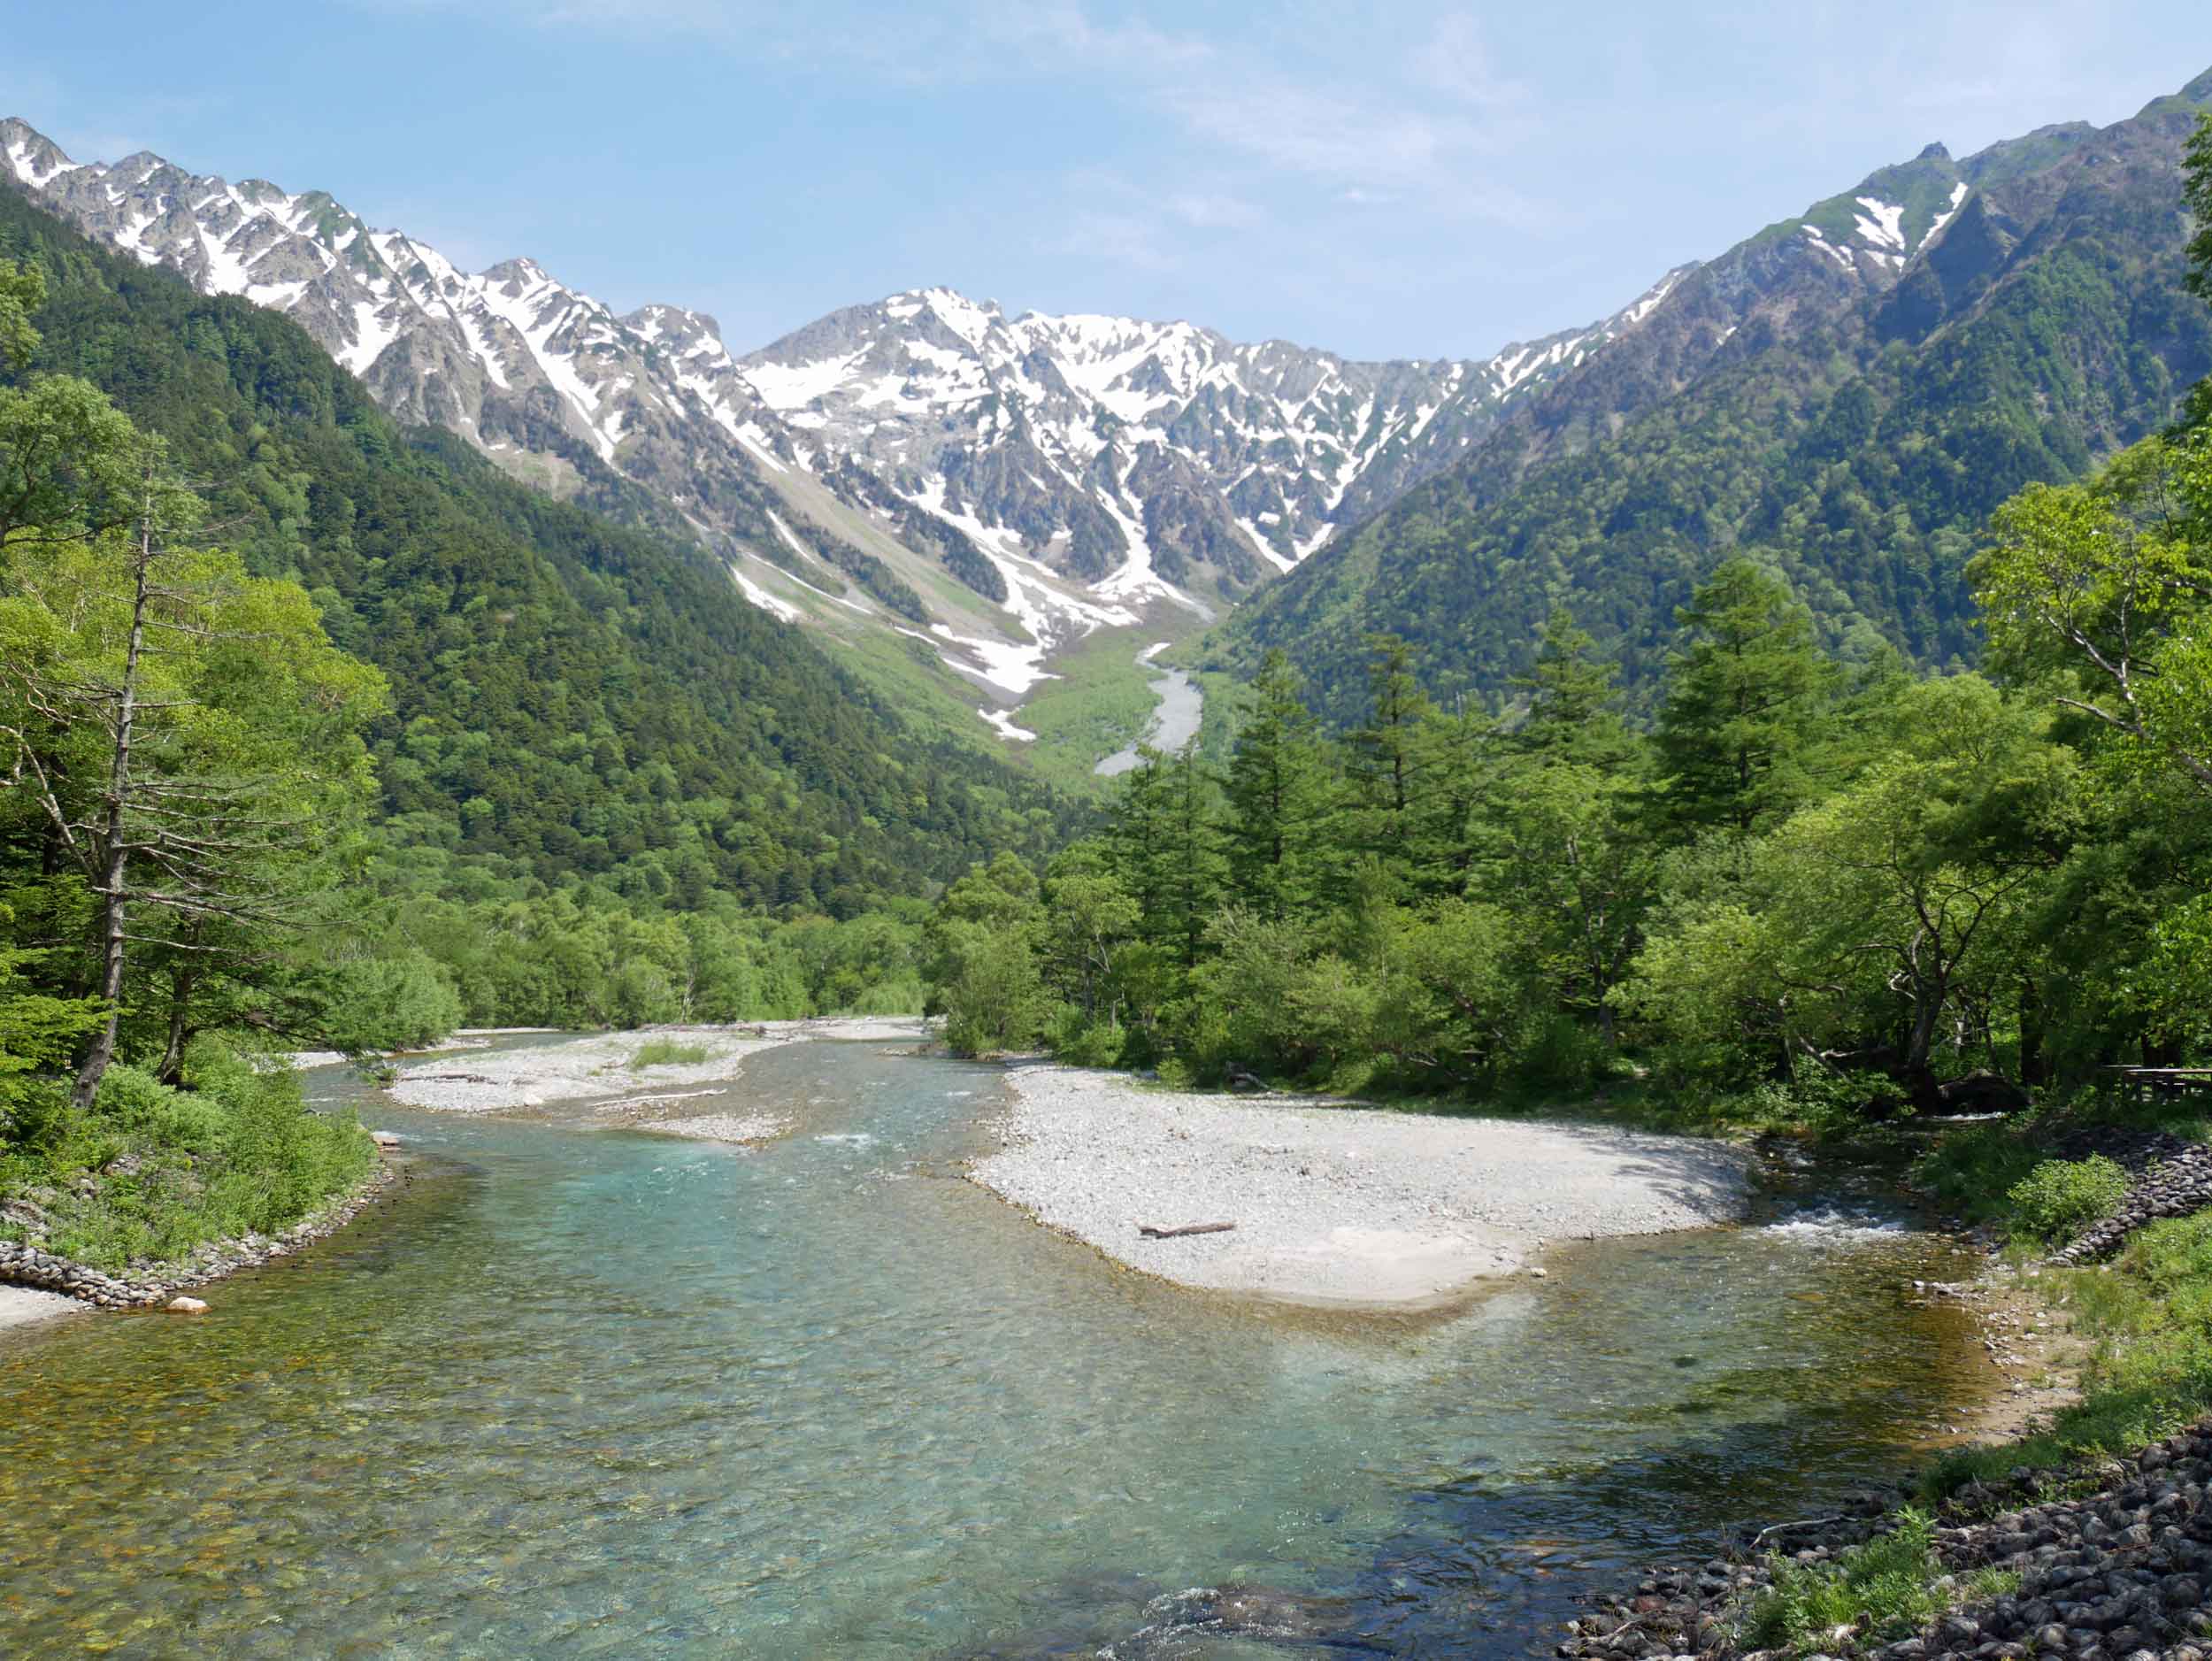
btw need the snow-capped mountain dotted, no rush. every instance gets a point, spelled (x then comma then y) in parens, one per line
(1134, 455)
(996, 487)
(1066, 470)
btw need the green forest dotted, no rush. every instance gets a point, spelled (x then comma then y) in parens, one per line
(319, 733)
(1854, 441)
(1812, 884)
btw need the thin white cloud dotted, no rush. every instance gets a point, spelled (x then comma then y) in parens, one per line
(1208, 211)
(1133, 241)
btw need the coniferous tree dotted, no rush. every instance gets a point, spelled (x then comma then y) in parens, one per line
(1746, 695)
(1385, 753)
(1570, 692)
(1279, 798)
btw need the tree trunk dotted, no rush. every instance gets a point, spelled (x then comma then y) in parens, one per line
(114, 906)
(1917, 1075)
(2032, 1069)
(180, 1009)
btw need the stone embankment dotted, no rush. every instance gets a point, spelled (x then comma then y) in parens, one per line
(2119, 1574)
(27, 1266)
(2172, 1178)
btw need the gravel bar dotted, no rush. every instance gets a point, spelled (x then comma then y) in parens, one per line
(1334, 1205)
(584, 1069)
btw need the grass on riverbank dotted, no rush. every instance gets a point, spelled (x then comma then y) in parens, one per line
(666, 1052)
(2148, 1317)
(1889, 1587)
(1884, 1589)
(152, 1173)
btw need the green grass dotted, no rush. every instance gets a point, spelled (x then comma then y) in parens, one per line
(152, 1173)
(1883, 1589)
(666, 1052)
(2149, 1369)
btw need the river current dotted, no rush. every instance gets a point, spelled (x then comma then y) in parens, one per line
(596, 1393)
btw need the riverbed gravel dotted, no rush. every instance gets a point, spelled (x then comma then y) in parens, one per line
(585, 1069)
(740, 1128)
(1334, 1205)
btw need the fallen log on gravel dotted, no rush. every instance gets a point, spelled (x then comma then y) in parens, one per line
(1151, 1232)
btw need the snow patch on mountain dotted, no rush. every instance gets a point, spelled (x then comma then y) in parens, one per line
(761, 598)
(1882, 224)
(1003, 725)
(1958, 197)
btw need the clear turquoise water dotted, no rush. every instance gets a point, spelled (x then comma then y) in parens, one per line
(588, 1393)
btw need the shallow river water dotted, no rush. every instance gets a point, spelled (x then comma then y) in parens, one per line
(584, 1392)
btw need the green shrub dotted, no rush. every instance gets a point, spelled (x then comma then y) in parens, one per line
(1086, 1043)
(904, 995)
(136, 1100)
(153, 1172)
(1882, 1589)
(1555, 1051)
(666, 1052)
(2060, 1197)
(1973, 1170)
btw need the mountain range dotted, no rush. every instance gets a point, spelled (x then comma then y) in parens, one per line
(1848, 392)
(997, 486)
(1847, 395)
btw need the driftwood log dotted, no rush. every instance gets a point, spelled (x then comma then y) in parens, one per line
(1152, 1232)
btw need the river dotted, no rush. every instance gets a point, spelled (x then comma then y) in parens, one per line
(1174, 721)
(585, 1392)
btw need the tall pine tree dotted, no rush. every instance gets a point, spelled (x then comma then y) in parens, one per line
(1280, 794)
(1746, 696)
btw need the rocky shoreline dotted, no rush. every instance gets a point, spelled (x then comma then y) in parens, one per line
(30, 1266)
(2120, 1572)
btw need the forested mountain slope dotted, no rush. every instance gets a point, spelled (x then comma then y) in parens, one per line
(1849, 394)
(921, 480)
(572, 697)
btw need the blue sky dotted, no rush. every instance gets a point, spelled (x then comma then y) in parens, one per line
(1392, 181)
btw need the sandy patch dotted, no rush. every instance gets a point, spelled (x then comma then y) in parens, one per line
(1335, 1205)
(21, 1305)
(742, 1128)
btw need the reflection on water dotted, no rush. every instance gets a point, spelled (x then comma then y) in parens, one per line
(596, 1393)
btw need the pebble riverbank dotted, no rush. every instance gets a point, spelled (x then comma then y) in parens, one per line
(2117, 1574)
(28, 1266)
(2122, 1572)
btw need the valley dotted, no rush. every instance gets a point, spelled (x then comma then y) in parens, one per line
(985, 981)
(992, 490)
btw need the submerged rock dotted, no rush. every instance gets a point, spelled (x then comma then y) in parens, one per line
(186, 1306)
